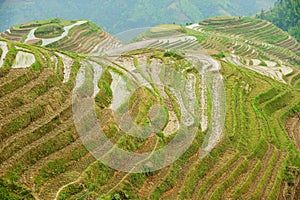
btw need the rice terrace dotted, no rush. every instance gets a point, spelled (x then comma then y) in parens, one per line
(202, 110)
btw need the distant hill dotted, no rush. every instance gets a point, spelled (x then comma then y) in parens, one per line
(286, 15)
(119, 15)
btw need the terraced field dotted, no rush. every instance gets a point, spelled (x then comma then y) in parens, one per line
(247, 148)
(249, 38)
(80, 37)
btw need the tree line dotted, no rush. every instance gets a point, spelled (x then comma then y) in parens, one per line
(286, 15)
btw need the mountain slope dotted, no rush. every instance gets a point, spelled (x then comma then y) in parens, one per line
(285, 14)
(259, 38)
(252, 156)
(74, 36)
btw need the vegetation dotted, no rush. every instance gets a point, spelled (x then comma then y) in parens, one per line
(284, 14)
(49, 31)
(115, 18)
(13, 191)
(258, 157)
(104, 97)
(81, 39)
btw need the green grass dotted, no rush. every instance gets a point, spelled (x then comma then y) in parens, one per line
(39, 23)
(22, 121)
(69, 191)
(104, 97)
(13, 191)
(240, 169)
(242, 189)
(49, 31)
(93, 28)
(294, 79)
(263, 64)
(22, 141)
(9, 59)
(19, 82)
(52, 145)
(278, 102)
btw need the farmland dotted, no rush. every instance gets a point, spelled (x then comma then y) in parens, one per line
(246, 148)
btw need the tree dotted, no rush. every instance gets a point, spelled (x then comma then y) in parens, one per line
(286, 15)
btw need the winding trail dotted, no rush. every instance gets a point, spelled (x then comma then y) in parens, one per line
(45, 42)
(63, 187)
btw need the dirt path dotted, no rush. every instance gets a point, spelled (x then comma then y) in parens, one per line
(12, 76)
(31, 77)
(175, 191)
(63, 187)
(8, 117)
(152, 152)
(34, 169)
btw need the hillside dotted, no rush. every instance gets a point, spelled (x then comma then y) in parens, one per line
(284, 14)
(117, 16)
(231, 95)
(81, 37)
(249, 38)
